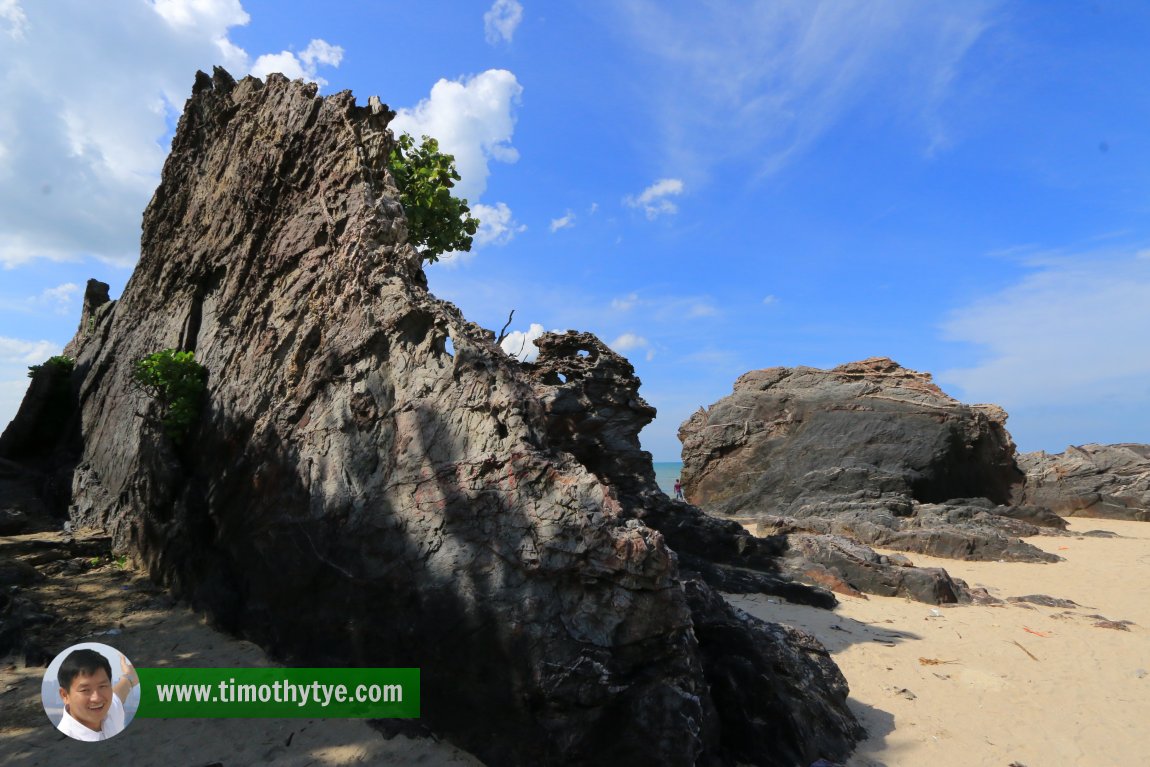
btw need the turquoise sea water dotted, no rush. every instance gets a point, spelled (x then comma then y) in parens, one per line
(665, 474)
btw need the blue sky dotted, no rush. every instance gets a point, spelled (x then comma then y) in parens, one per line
(710, 186)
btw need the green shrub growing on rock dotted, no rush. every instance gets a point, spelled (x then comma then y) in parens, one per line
(177, 383)
(63, 365)
(437, 222)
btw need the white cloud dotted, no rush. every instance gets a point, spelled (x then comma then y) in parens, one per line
(629, 342)
(473, 120)
(763, 80)
(519, 344)
(13, 20)
(501, 21)
(565, 222)
(19, 352)
(302, 66)
(593, 209)
(1071, 333)
(496, 224)
(770, 300)
(61, 294)
(15, 356)
(60, 299)
(653, 200)
(83, 144)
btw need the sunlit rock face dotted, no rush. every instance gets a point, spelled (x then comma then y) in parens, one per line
(1110, 481)
(359, 492)
(870, 450)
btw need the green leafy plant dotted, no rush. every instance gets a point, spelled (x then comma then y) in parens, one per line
(177, 383)
(65, 365)
(437, 221)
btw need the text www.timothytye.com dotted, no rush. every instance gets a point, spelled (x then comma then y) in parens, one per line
(284, 692)
(363, 693)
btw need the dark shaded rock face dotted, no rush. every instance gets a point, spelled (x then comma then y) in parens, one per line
(869, 450)
(354, 494)
(594, 411)
(1109, 481)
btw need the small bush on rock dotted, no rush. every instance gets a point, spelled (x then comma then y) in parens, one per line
(177, 383)
(63, 365)
(437, 221)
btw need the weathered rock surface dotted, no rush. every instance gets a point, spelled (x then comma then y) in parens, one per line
(356, 494)
(593, 409)
(848, 567)
(868, 450)
(1106, 481)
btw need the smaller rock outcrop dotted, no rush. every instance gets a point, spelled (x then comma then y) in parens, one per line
(1106, 481)
(848, 567)
(869, 450)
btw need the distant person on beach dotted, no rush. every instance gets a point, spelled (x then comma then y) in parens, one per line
(678, 489)
(93, 706)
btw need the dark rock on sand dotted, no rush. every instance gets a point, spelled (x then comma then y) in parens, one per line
(1044, 600)
(1104, 481)
(591, 399)
(868, 450)
(355, 493)
(845, 566)
(759, 674)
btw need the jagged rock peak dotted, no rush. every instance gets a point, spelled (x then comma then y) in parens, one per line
(356, 493)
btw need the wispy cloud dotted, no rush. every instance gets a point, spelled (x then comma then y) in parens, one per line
(60, 300)
(564, 222)
(13, 20)
(1071, 333)
(631, 342)
(655, 200)
(20, 352)
(765, 79)
(662, 308)
(501, 21)
(496, 224)
(625, 303)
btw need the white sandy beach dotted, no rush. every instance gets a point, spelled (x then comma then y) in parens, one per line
(980, 699)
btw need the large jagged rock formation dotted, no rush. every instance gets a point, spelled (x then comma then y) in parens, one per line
(358, 493)
(868, 450)
(1111, 481)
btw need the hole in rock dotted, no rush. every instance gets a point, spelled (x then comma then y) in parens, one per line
(583, 353)
(449, 347)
